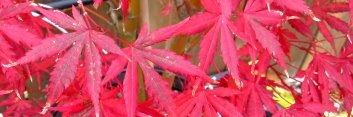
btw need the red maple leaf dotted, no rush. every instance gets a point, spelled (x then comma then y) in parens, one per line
(218, 17)
(210, 102)
(254, 96)
(10, 28)
(83, 38)
(17, 107)
(154, 83)
(310, 109)
(322, 10)
(323, 74)
(250, 27)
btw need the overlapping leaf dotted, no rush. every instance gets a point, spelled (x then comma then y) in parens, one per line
(10, 29)
(321, 73)
(64, 72)
(218, 17)
(208, 103)
(154, 83)
(253, 21)
(309, 109)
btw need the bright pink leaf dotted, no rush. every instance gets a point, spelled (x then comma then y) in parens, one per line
(115, 69)
(170, 61)
(268, 41)
(20, 35)
(131, 88)
(157, 87)
(296, 5)
(62, 75)
(93, 75)
(208, 48)
(327, 34)
(229, 53)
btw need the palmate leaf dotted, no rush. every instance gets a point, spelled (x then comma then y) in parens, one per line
(64, 71)
(347, 81)
(16, 35)
(251, 26)
(309, 109)
(155, 85)
(322, 73)
(254, 98)
(218, 17)
(323, 10)
(18, 108)
(207, 102)
(14, 30)
(79, 64)
(80, 105)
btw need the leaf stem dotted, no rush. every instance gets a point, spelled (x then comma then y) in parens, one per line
(111, 34)
(99, 16)
(219, 71)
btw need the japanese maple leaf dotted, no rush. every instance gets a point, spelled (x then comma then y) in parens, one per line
(310, 109)
(254, 97)
(154, 83)
(10, 28)
(13, 78)
(322, 10)
(18, 108)
(15, 37)
(323, 74)
(218, 18)
(252, 22)
(346, 83)
(80, 105)
(83, 38)
(207, 102)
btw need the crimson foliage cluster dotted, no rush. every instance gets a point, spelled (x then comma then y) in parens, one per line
(84, 62)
